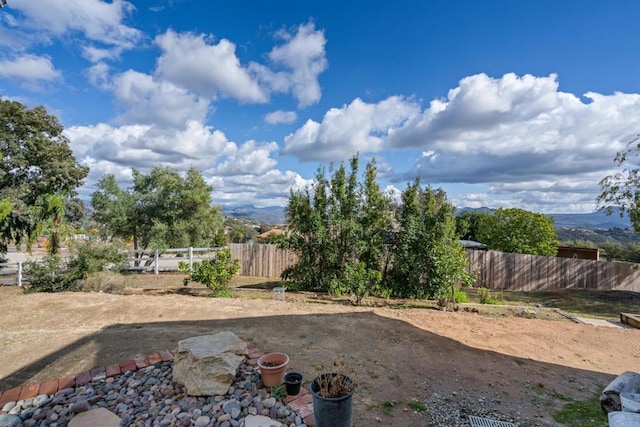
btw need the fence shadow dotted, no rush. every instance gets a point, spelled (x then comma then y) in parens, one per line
(394, 359)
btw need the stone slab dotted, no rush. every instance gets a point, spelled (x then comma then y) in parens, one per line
(99, 417)
(260, 421)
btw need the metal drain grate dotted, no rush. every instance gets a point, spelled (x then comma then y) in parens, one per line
(487, 422)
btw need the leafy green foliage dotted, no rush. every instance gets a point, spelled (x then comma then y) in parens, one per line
(161, 210)
(334, 226)
(215, 273)
(460, 296)
(469, 223)
(37, 164)
(622, 189)
(485, 296)
(519, 231)
(55, 274)
(426, 256)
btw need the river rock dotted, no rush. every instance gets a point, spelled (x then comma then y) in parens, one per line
(9, 420)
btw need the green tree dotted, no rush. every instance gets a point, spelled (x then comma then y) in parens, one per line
(622, 189)
(468, 224)
(336, 227)
(519, 231)
(427, 258)
(162, 209)
(37, 167)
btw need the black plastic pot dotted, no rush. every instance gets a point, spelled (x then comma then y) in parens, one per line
(332, 411)
(292, 382)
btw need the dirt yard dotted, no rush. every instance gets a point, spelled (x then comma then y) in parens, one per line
(527, 368)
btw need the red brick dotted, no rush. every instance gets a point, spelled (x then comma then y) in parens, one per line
(113, 370)
(309, 421)
(128, 367)
(252, 362)
(255, 354)
(303, 405)
(125, 363)
(166, 356)
(67, 381)
(154, 358)
(141, 362)
(83, 378)
(29, 390)
(49, 387)
(10, 395)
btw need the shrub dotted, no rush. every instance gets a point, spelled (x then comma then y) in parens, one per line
(359, 281)
(103, 281)
(486, 296)
(55, 274)
(214, 273)
(460, 296)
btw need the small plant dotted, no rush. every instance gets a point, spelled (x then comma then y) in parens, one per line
(335, 384)
(584, 413)
(417, 405)
(460, 296)
(278, 392)
(215, 273)
(486, 296)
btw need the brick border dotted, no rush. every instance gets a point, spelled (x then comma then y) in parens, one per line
(50, 387)
(302, 403)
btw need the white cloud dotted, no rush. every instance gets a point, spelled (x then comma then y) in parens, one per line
(304, 59)
(98, 76)
(147, 100)
(29, 68)
(357, 127)
(517, 129)
(196, 63)
(239, 174)
(97, 20)
(251, 158)
(280, 116)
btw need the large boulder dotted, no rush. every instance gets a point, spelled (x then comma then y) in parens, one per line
(207, 365)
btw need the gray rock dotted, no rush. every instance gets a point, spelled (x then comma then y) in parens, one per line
(8, 406)
(207, 365)
(9, 420)
(202, 421)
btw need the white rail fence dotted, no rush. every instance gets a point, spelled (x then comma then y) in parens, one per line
(155, 261)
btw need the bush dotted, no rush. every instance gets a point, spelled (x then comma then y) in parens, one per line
(460, 296)
(103, 281)
(55, 274)
(215, 273)
(486, 297)
(358, 281)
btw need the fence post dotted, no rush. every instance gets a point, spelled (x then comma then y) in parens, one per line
(157, 261)
(190, 258)
(20, 273)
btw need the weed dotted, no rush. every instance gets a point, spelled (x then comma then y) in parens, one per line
(486, 296)
(583, 413)
(388, 405)
(417, 405)
(460, 296)
(278, 392)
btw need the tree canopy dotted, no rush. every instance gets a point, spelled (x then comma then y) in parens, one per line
(519, 231)
(161, 209)
(38, 172)
(348, 241)
(622, 189)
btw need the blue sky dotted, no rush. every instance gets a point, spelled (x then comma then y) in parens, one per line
(500, 103)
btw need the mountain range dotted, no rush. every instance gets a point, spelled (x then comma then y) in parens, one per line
(598, 220)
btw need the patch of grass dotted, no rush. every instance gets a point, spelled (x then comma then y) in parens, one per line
(583, 413)
(388, 405)
(417, 406)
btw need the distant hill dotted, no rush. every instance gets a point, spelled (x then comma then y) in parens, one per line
(598, 220)
(270, 215)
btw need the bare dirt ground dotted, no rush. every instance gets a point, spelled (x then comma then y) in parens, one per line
(527, 368)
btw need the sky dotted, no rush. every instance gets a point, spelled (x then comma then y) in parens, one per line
(500, 103)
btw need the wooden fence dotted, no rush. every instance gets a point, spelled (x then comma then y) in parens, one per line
(495, 270)
(517, 272)
(260, 260)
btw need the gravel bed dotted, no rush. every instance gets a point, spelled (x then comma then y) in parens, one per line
(150, 397)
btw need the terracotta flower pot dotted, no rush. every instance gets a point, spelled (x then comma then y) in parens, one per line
(272, 368)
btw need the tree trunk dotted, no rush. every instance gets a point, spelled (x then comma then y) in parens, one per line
(626, 382)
